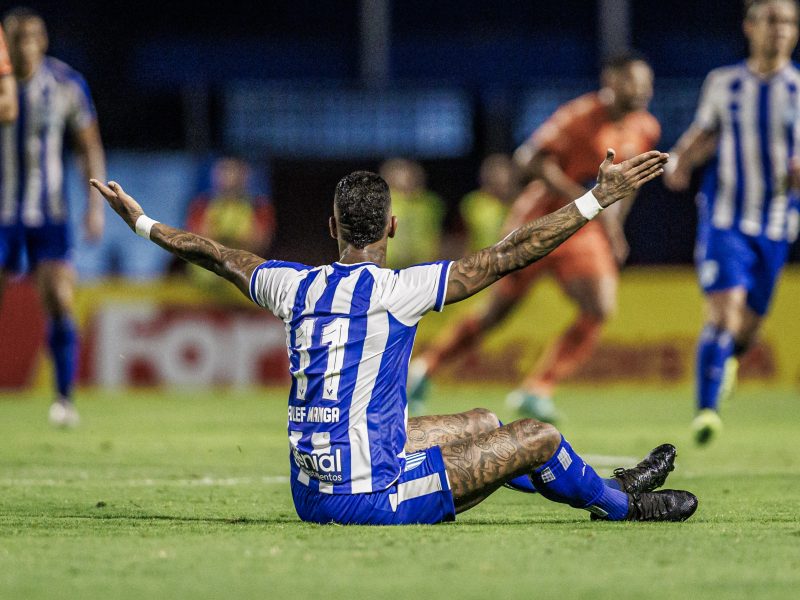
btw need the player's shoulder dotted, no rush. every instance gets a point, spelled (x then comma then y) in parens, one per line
(582, 107)
(722, 76)
(62, 72)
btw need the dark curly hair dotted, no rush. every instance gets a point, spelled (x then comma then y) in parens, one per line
(362, 202)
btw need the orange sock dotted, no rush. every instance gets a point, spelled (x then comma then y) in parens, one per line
(565, 355)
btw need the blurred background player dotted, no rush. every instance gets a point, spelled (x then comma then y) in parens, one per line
(561, 155)
(485, 210)
(34, 230)
(8, 85)
(231, 213)
(420, 209)
(748, 119)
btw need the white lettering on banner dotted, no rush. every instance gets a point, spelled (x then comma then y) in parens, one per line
(185, 346)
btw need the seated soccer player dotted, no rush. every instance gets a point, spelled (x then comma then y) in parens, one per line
(355, 458)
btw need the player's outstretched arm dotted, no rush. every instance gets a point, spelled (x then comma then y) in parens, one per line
(234, 265)
(538, 238)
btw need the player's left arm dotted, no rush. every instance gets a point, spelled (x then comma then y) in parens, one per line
(536, 239)
(92, 161)
(236, 266)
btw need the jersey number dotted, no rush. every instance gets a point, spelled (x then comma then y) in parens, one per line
(334, 336)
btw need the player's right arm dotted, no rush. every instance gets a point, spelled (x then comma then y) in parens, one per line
(538, 238)
(698, 143)
(8, 85)
(694, 148)
(236, 266)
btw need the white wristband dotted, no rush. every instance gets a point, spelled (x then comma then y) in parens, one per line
(143, 226)
(588, 205)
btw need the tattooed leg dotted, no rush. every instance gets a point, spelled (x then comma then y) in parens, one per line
(438, 430)
(478, 465)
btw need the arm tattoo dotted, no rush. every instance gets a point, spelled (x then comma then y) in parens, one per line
(234, 265)
(520, 248)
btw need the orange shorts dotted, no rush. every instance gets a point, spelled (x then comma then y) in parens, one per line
(586, 255)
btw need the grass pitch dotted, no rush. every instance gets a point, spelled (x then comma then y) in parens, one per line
(184, 495)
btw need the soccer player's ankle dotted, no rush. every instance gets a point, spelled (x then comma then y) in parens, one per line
(566, 478)
(713, 349)
(538, 387)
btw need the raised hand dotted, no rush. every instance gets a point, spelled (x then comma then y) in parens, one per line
(617, 182)
(124, 205)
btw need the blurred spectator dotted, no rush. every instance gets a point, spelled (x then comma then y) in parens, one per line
(231, 214)
(484, 210)
(419, 212)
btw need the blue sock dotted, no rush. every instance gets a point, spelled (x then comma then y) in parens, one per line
(523, 484)
(63, 341)
(565, 478)
(714, 348)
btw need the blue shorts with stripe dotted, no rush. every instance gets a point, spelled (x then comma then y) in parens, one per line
(23, 248)
(727, 258)
(421, 495)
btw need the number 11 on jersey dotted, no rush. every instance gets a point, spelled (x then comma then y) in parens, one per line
(332, 339)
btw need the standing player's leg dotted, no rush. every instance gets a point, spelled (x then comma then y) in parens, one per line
(585, 269)
(726, 264)
(478, 465)
(463, 336)
(56, 280)
(734, 319)
(715, 350)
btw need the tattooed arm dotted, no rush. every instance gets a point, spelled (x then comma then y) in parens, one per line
(538, 238)
(234, 265)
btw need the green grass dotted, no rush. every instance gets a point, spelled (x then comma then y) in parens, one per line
(183, 495)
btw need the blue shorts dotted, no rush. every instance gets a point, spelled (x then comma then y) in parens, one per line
(421, 495)
(727, 259)
(23, 248)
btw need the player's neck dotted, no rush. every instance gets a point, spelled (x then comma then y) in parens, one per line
(24, 72)
(767, 65)
(374, 253)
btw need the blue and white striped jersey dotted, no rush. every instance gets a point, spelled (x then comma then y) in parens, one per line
(56, 97)
(349, 332)
(758, 121)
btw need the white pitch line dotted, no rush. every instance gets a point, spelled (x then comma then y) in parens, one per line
(200, 482)
(605, 461)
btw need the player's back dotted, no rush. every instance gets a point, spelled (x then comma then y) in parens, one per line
(350, 330)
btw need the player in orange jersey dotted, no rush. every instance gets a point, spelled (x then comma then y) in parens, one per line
(560, 156)
(8, 85)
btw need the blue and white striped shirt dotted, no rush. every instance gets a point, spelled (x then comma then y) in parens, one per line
(758, 121)
(349, 332)
(55, 98)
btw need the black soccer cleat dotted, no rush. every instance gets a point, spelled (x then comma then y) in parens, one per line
(650, 473)
(664, 505)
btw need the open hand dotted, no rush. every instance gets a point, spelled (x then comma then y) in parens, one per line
(125, 206)
(617, 182)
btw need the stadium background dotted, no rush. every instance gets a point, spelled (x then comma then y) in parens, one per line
(307, 91)
(180, 490)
